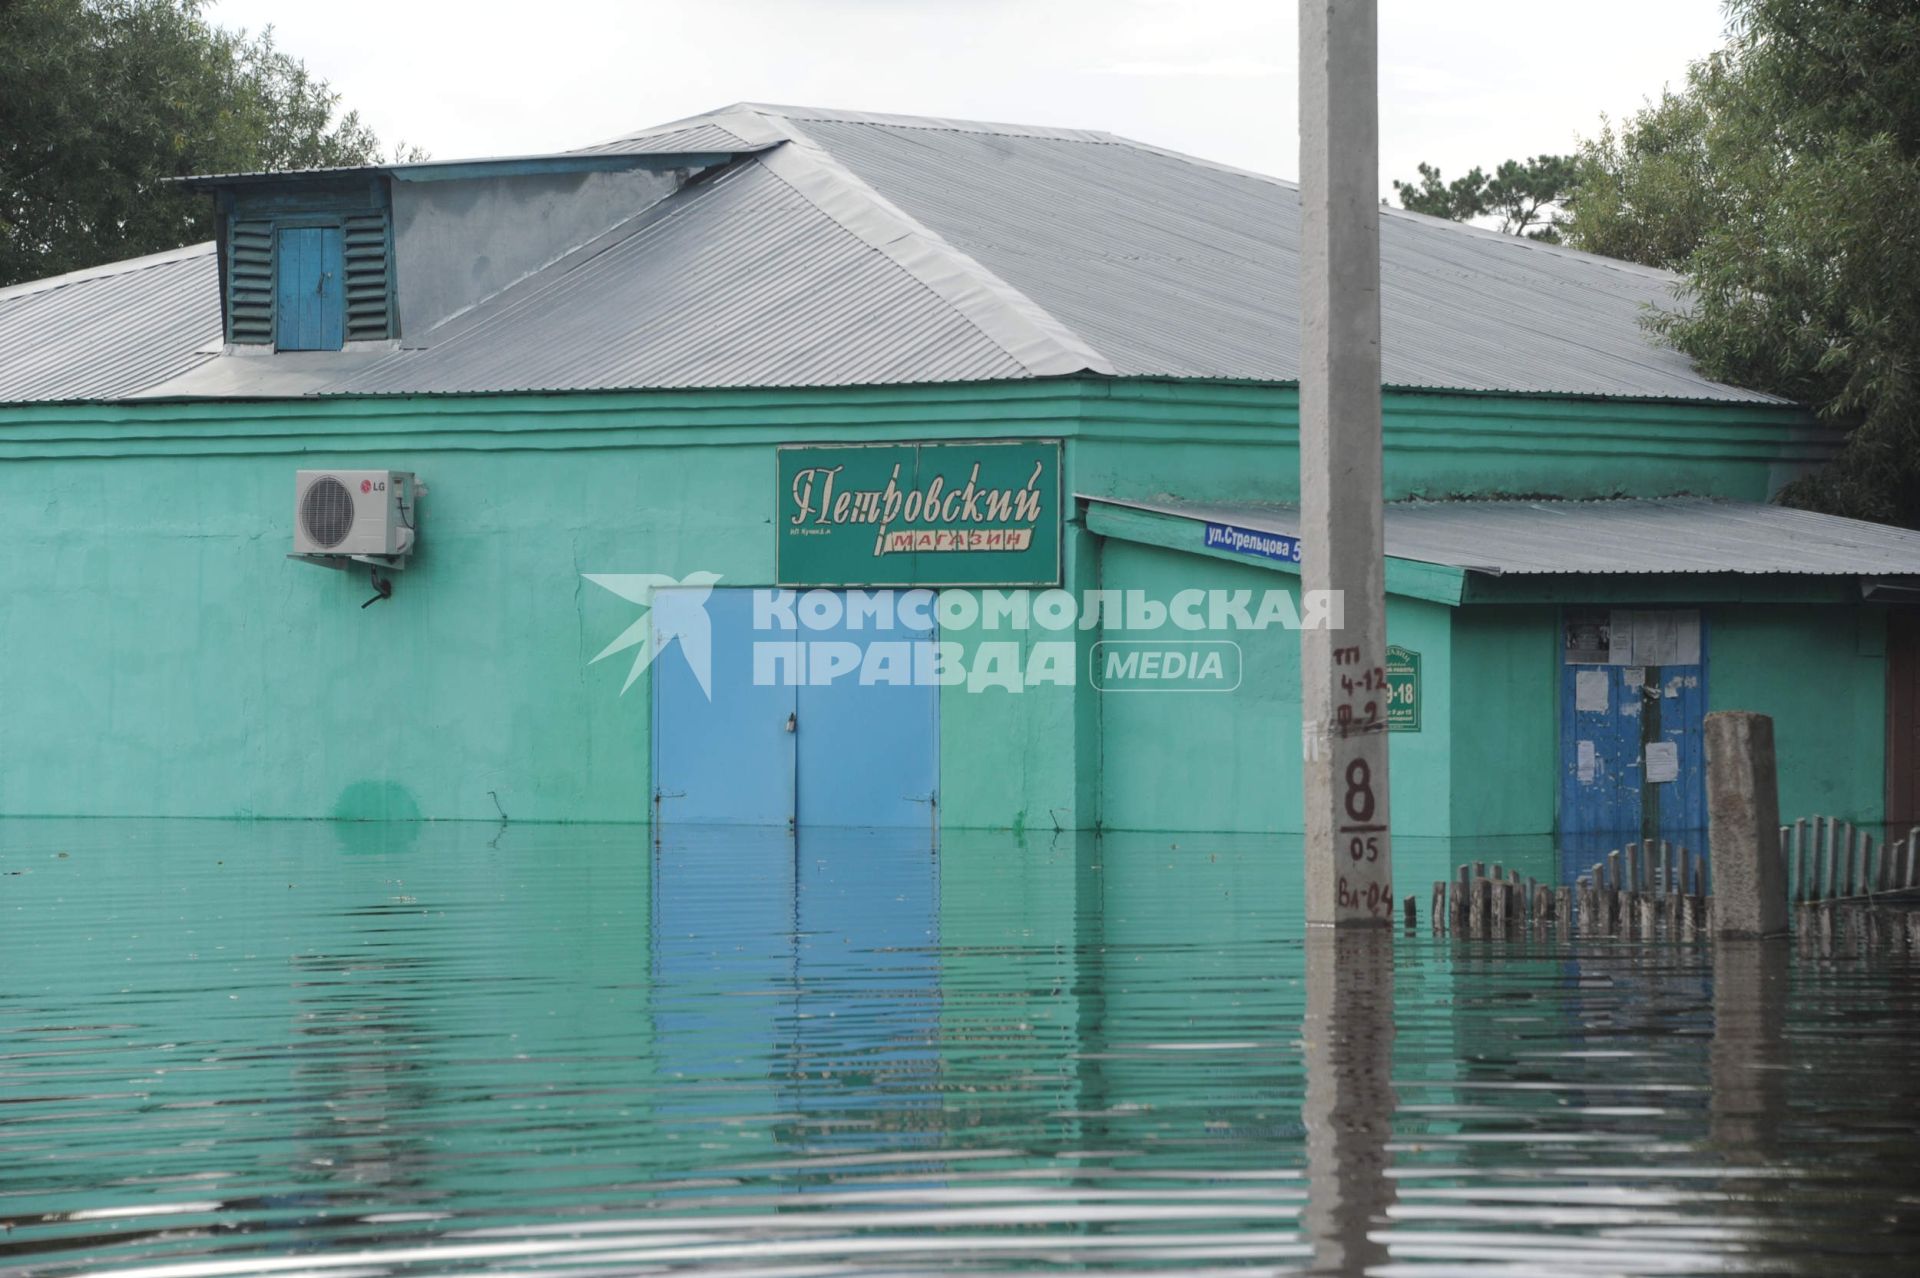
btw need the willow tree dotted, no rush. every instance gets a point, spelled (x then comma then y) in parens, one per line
(102, 99)
(1783, 182)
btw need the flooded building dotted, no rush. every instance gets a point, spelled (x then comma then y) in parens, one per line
(560, 488)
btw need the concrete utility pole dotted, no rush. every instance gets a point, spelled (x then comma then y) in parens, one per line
(1342, 670)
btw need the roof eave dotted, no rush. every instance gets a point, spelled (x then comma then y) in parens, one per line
(502, 166)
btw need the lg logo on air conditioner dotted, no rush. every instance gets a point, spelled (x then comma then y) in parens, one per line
(369, 486)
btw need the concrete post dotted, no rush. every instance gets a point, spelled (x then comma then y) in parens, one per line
(1743, 826)
(1342, 666)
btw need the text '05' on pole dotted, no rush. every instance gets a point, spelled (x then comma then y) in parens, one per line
(1349, 854)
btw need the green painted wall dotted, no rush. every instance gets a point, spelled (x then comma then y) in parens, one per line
(1013, 759)
(1485, 766)
(164, 657)
(1230, 761)
(1821, 674)
(1239, 442)
(1505, 746)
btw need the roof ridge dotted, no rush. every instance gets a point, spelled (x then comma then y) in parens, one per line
(1530, 244)
(740, 119)
(1032, 336)
(106, 270)
(803, 113)
(944, 124)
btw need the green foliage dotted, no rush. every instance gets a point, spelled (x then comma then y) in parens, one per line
(1651, 191)
(1529, 197)
(102, 99)
(1784, 182)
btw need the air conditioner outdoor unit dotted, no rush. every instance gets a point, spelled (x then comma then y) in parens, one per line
(365, 515)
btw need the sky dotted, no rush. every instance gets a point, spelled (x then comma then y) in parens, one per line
(1462, 82)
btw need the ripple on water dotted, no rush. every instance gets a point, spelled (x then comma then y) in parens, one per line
(250, 1049)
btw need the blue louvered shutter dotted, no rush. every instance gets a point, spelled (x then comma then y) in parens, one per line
(250, 283)
(369, 281)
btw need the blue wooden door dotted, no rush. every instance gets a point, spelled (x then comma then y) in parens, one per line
(1633, 698)
(1674, 713)
(869, 736)
(310, 297)
(1599, 755)
(842, 737)
(723, 754)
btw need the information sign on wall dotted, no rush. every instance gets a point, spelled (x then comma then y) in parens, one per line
(1403, 689)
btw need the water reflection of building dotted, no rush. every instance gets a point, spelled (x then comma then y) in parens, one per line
(797, 988)
(468, 1013)
(1106, 1021)
(362, 1073)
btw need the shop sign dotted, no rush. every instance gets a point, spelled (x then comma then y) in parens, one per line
(961, 514)
(1403, 689)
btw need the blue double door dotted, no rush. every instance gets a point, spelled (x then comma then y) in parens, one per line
(1633, 702)
(310, 297)
(836, 725)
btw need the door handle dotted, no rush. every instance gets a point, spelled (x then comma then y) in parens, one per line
(793, 721)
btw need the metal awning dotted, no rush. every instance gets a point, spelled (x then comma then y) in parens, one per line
(1622, 536)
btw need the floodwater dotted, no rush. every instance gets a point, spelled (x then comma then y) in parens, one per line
(233, 1048)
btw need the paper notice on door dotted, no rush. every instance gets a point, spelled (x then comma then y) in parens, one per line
(1663, 761)
(1686, 651)
(1587, 641)
(1620, 638)
(1648, 648)
(1590, 690)
(1584, 762)
(1654, 638)
(1635, 676)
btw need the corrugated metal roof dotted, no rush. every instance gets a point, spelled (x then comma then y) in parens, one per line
(701, 137)
(107, 332)
(740, 281)
(1630, 536)
(1175, 267)
(858, 249)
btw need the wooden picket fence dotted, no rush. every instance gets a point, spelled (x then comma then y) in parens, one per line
(1639, 889)
(1646, 889)
(1829, 860)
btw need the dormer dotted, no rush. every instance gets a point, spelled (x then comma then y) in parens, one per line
(308, 265)
(331, 259)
